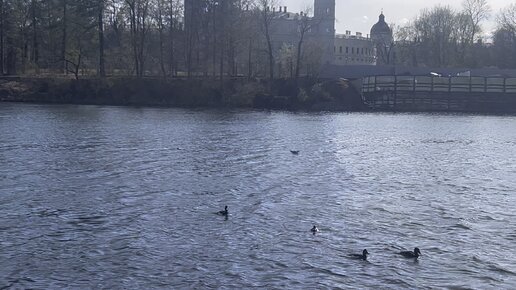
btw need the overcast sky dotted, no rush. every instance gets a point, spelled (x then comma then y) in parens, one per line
(360, 15)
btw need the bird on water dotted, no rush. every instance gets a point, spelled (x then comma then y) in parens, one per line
(224, 212)
(361, 257)
(295, 152)
(408, 254)
(314, 230)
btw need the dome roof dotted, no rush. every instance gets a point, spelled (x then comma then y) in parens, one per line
(381, 27)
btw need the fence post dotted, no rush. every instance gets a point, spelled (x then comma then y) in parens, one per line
(448, 97)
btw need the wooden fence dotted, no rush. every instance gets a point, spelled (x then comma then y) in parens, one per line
(427, 93)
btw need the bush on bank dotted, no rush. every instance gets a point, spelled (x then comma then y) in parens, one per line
(283, 94)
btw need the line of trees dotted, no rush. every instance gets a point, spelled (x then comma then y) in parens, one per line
(89, 36)
(443, 37)
(221, 38)
(143, 38)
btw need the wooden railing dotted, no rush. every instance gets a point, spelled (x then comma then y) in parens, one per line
(438, 84)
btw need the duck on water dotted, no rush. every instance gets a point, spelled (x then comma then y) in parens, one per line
(408, 254)
(361, 257)
(224, 212)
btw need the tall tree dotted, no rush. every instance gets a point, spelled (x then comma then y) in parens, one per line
(435, 28)
(504, 39)
(476, 11)
(304, 25)
(100, 22)
(138, 13)
(64, 39)
(35, 32)
(266, 17)
(507, 18)
(2, 29)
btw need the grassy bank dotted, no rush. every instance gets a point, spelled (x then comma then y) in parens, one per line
(309, 95)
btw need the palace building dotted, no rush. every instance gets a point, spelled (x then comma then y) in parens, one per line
(320, 40)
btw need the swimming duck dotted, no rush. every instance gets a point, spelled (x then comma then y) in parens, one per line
(314, 230)
(361, 257)
(224, 212)
(409, 254)
(295, 152)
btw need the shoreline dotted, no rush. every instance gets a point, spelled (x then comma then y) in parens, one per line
(284, 94)
(304, 95)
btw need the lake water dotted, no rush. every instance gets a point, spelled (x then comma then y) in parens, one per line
(111, 197)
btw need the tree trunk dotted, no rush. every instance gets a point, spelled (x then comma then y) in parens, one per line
(250, 59)
(2, 37)
(298, 56)
(171, 65)
(134, 37)
(102, 66)
(161, 41)
(35, 44)
(270, 54)
(64, 39)
(143, 38)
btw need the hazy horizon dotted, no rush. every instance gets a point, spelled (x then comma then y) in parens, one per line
(360, 16)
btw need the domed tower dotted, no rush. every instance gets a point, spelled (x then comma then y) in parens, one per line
(324, 17)
(381, 35)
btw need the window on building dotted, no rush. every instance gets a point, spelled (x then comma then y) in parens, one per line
(340, 49)
(352, 50)
(347, 49)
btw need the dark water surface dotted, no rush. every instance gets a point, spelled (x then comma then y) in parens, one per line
(108, 197)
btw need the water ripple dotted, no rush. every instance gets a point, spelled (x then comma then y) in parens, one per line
(107, 197)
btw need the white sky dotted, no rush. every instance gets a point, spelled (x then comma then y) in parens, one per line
(360, 15)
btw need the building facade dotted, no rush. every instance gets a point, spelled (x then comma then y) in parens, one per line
(354, 50)
(320, 44)
(381, 35)
(324, 24)
(285, 28)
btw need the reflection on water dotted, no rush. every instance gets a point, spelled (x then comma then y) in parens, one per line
(109, 197)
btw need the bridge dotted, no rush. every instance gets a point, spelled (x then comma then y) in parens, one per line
(436, 93)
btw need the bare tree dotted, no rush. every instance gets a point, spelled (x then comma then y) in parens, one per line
(266, 16)
(462, 35)
(476, 11)
(100, 23)
(159, 12)
(304, 25)
(35, 33)
(138, 13)
(193, 18)
(64, 37)
(435, 29)
(507, 18)
(175, 8)
(2, 30)
(504, 39)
